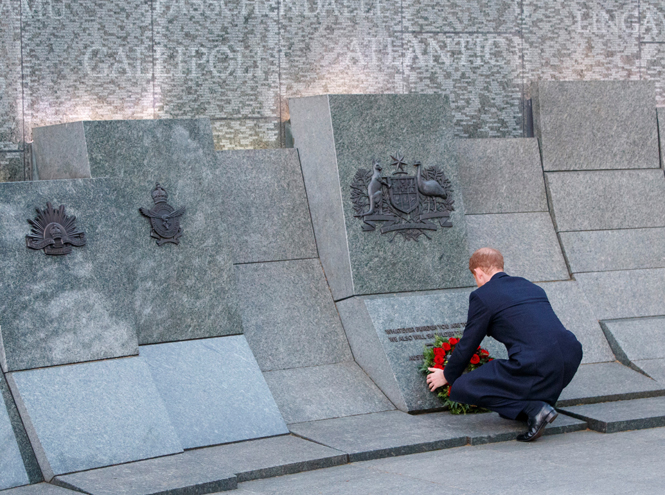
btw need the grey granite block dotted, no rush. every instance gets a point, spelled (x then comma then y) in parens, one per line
(213, 391)
(73, 308)
(86, 60)
(31, 466)
(661, 134)
(216, 59)
(172, 475)
(610, 417)
(604, 200)
(456, 15)
(527, 241)
(606, 250)
(289, 316)
(594, 125)
(269, 457)
(40, 489)
(323, 392)
(602, 382)
(11, 167)
(185, 291)
(576, 314)
(655, 368)
(246, 134)
(501, 176)
(336, 136)
(267, 214)
(624, 294)
(88, 415)
(11, 97)
(636, 338)
(12, 469)
(486, 105)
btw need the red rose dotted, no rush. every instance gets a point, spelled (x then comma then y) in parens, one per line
(439, 359)
(490, 359)
(484, 352)
(446, 346)
(475, 359)
(448, 391)
(439, 352)
(438, 366)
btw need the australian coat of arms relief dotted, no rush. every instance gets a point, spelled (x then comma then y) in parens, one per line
(404, 204)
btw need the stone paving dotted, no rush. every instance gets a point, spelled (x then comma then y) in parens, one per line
(574, 463)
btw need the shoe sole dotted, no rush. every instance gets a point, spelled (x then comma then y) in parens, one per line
(549, 420)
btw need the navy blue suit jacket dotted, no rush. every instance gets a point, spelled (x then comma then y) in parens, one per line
(543, 355)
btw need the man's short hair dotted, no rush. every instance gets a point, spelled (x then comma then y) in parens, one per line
(487, 259)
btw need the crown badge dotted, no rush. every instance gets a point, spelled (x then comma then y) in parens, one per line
(164, 219)
(54, 232)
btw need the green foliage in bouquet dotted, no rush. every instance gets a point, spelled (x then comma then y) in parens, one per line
(437, 356)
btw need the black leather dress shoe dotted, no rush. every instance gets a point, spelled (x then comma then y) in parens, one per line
(538, 423)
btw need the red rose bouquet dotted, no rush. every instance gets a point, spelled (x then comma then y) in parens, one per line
(437, 357)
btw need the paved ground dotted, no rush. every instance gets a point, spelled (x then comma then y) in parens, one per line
(574, 463)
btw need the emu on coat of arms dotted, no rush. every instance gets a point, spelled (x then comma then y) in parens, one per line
(54, 232)
(408, 204)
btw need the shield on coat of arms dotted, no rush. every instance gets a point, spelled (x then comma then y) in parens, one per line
(403, 193)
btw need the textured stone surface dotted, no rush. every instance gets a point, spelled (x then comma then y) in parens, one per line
(602, 382)
(603, 200)
(607, 250)
(289, 316)
(246, 134)
(213, 391)
(61, 151)
(89, 415)
(595, 125)
(655, 368)
(12, 469)
(267, 214)
(661, 134)
(611, 417)
(501, 175)
(624, 294)
(11, 167)
(184, 291)
(11, 97)
(527, 241)
(389, 434)
(576, 314)
(636, 338)
(73, 308)
(268, 457)
(359, 129)
(457, 15)
(172, 475)
(323, 392)
(86, 60)
(40, 489)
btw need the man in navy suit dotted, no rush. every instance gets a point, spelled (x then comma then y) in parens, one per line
(543, 355)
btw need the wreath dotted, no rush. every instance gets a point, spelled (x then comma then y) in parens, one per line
(437, 356)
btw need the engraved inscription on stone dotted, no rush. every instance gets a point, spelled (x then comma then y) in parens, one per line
(425, 333)
(164, 219)
(54, 231)
(410, 205)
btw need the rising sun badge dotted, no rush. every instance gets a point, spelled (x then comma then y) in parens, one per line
(54, 231)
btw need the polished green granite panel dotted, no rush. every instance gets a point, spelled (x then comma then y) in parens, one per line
(12, 467)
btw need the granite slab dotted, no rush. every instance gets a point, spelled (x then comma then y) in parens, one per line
(337, 135)
(655, 368)
(527, 241)
(322, 392)
(594, 125)
(634, 339)
(501, 175)
(12, 469)
(267, 214)
(66, 309)
(289, 316)
(88, 415)
(605, 200)
(40, 489)
(661, 134)
(603, 382)
(607, 250)
(610, 417)
(12, 167)
(213, 391)
(394, 433)
(183, 291)
(624, 294)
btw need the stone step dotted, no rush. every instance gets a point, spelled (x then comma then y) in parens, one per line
(38, 489)
(206, 470)
(610, 417)
(393, 433)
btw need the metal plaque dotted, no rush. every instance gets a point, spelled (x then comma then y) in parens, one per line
(164, 219)
(54, 232)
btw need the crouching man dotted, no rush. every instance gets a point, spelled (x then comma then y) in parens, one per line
(543, 355)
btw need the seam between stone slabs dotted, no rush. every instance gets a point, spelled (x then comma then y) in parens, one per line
(504, 213)
(275, 261)
(276, 119)
(584, 170)
(610, 230)
(610, 398)
(628, 270)
(316, 366)
(514, 33)
(73, 364)
(309, 210)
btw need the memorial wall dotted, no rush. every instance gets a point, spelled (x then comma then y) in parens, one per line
(237, 62)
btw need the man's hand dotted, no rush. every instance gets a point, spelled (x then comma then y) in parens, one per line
(436, 379)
